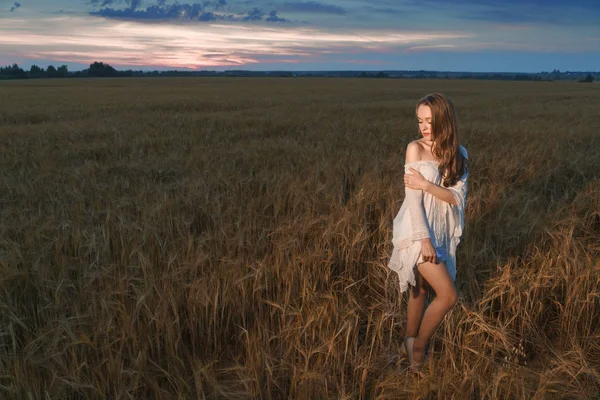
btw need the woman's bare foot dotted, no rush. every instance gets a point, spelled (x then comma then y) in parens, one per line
(414, 364)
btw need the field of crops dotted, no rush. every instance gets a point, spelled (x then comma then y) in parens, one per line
(229, 238)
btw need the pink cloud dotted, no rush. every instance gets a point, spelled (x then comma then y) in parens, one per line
(80, 39)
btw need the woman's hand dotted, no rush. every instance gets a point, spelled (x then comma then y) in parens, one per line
(416, 180)
(427, 251)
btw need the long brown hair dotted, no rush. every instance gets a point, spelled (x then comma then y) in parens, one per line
(446, 146)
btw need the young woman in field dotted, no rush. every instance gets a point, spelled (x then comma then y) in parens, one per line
(428, 227)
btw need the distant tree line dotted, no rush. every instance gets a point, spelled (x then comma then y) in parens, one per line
(99, 69)
(96, 69)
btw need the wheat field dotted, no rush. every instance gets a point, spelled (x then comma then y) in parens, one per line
(184, 238)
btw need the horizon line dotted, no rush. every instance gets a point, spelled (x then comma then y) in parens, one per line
(315, 70)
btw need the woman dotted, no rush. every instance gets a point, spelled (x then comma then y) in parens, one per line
(428, 227)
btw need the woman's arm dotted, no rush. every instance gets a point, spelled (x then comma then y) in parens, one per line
(418, 181)
(440, 192)
(414, 199)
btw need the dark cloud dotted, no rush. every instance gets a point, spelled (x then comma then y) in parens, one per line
(257, 15)
(203, 12)
(132, 4)
(274, 18)
(17, 5)
(207, 16)
(220, 4)
(254, 15)
(104, 3)
(156, 12)
(135, 4)
(313, 7)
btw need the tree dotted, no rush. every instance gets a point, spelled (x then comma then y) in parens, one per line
(99, 69)
(13, 71)
(51, 71)
(62, 71)
(35, 71)
(588, 79)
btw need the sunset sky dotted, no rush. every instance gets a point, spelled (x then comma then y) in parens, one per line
(446, 35)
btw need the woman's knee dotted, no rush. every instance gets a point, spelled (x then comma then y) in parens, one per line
(451, 298)
(438, 279)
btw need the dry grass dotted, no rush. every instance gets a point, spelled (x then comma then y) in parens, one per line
(207, 238)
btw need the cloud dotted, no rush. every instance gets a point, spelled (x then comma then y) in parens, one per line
(133, 4)
(156, 12)
(203, 12)
(104, 3)
(209, 16)
(17, 5)
(217, 4)
(313, 7)
(258, 15)
(274, 18)
(131, 43)
(254, 15)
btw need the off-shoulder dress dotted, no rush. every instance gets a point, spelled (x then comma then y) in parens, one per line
(423, 215)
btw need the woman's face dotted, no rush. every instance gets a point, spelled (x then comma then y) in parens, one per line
(424, 118)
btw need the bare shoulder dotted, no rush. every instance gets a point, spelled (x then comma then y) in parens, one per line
(413, 152)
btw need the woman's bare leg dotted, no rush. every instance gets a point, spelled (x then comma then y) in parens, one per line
(416, 305)
(437, 277)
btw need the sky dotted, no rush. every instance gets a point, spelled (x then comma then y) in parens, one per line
(358, 35)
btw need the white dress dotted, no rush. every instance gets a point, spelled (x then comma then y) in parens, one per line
(422, 215)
